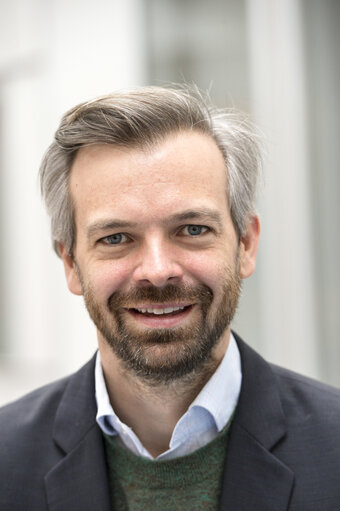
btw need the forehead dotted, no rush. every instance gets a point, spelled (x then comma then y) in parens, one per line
(185, 167)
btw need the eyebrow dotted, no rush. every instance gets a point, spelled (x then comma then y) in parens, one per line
(106, 225)
(200, 213)
(190, 214)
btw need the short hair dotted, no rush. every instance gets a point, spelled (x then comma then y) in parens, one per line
(142, 117)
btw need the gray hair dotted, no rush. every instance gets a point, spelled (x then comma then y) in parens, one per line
(140, 118)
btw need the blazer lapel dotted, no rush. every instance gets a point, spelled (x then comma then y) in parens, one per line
(254, 477)
(79, 480)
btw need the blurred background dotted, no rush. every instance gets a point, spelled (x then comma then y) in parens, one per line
(277, 60)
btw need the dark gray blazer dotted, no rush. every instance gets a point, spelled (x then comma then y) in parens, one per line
(283, 453)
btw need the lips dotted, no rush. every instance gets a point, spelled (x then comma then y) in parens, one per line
(168, 307)
(159, 311)
(165, 316)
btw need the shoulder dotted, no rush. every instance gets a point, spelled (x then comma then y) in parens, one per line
(27, 424)
(29, 409)
(28, 450)
(300, 396)
(311, 446)
(304, 397)
(38, 408)
(296, 419)
(307, 410)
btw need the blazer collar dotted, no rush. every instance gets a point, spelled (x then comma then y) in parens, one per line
(79, 481)
(259, 409)
(76, 414)
(254, 477)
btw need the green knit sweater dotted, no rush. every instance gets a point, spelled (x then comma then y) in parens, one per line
(190, 483)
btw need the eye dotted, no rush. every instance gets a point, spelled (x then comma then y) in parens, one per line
(115, 239)
(195, 230)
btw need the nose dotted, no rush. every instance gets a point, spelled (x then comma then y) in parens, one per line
(157, 265)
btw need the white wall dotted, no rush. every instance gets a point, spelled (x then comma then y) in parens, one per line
(289, 323)
(54, 55)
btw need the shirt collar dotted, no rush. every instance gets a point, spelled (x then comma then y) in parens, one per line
(220, 394)
(218, 397)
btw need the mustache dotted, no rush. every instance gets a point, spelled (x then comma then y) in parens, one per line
(170, 293)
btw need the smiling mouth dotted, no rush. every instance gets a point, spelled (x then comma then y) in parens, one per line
(160, 312)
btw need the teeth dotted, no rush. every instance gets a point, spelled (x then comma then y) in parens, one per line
(159, 311)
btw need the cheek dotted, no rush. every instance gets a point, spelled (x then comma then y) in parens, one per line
(215, 270)
(105, 278)
(206, 269)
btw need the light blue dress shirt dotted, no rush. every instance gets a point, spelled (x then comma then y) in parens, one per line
(205, 418)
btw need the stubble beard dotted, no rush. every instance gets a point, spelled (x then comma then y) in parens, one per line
(161, 356)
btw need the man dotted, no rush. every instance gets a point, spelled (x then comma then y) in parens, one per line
(151, 198)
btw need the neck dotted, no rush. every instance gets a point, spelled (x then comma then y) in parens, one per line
(152, 411)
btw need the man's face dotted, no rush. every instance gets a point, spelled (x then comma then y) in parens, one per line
(156, 255)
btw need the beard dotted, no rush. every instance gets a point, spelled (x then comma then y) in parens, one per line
(165, 355)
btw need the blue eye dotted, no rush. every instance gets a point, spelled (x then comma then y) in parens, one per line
(115, 239)
(195, 230)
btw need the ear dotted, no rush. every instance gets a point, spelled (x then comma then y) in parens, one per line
(248, 247)
(71, 273)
